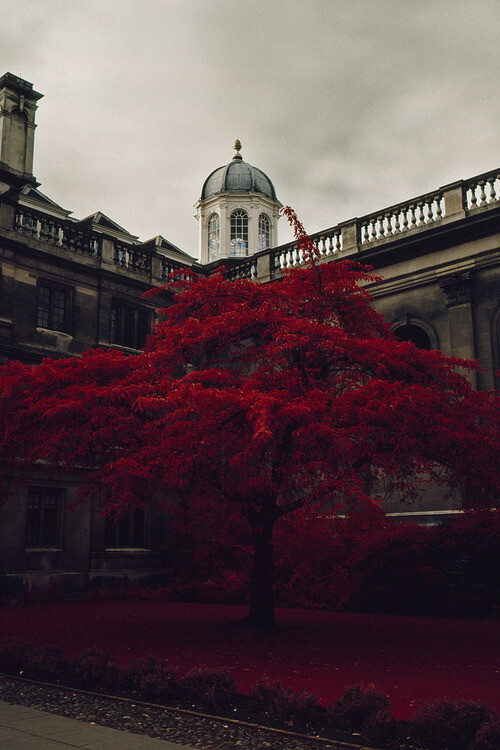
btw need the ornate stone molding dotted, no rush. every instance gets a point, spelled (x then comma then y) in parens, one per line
(457, 288)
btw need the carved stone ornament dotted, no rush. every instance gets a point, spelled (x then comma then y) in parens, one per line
(457, 288)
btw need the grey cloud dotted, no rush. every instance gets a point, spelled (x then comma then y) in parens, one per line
(347, 105)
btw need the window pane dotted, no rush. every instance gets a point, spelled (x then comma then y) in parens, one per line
(239, 233)
(59, 310)
(264, 232)
(129, 326)
(43, 516)
(49, 521)
(213, 237)
(33, 519)
(43, 306)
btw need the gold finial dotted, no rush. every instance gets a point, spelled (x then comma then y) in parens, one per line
(237, 148)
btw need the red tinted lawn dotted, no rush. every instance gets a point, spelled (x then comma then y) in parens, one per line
(412, 659)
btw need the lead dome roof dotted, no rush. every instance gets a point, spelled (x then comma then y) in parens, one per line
(238, 177)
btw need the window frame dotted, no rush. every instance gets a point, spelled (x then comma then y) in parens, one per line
(124, 534)
(41, 537)
(141, 330)
(213, 236)
(238, 235)
(264, 240)
(53, 288)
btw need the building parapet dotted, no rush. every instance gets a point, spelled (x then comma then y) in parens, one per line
(437, 208)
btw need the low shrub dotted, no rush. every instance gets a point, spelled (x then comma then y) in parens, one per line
(488, 736)
(284, 704)
(93, 669)
(382, 729)
(150, 678)
(47, 663)
(450, 724)
(356, 706)
(213, 688)
(14, 654)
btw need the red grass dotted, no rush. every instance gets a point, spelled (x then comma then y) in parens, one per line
(412, 659)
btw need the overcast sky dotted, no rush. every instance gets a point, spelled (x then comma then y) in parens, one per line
(348, 105)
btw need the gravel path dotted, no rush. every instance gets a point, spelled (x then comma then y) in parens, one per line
(197, 731)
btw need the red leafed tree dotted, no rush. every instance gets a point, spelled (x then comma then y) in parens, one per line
(255, 400)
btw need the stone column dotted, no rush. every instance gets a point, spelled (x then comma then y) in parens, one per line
(457, 289)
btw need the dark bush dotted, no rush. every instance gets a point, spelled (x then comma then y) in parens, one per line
(150, 678)
(14, 655)
(47, 663)
(93, 669)
(213, 688)
(488, 736)
(356, 706)
(450, 724)
(284, 704)
(382, 729)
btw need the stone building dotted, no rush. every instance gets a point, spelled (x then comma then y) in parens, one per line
(68, 284)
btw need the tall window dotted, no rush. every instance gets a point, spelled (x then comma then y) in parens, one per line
(129, 325)
(52, 310)
(239, 233)
(264, 231)
(213, 237)
(129, 531)
(43, 520)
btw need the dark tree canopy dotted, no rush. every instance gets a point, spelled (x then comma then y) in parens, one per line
(255, 399)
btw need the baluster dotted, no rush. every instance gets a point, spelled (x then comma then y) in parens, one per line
(473, 197)
(388, 224)
(419, 216)
(405, 220)
(482, 193)
(338, 242)
(412, 221)
(398, 214)
(495, 195)
(429, 210)
(439, 209)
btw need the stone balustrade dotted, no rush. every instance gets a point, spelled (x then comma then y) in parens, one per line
(440, 206)
(58, 233)
(168, 266)
(402, 217)
(482, 190)
(133, 259)
(443, 205)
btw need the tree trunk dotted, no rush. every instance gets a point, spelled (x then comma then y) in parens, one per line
(261, 613)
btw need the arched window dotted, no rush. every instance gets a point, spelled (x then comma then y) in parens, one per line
(264, 231)
(213, 237)
(239, 233)
(414, 333)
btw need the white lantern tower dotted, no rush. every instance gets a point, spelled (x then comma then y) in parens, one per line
(238, 212)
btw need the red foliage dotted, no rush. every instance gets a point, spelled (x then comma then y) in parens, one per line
(254, 400)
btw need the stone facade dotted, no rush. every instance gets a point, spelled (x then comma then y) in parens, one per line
(68, 284)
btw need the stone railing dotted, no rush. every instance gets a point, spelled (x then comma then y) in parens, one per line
(131, 258)
(246, 269)
(57, 233)
(402, 217)
(482, 190)
(168, 266)
(446, 204)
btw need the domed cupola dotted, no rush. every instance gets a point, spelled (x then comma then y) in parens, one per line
(238, 211)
